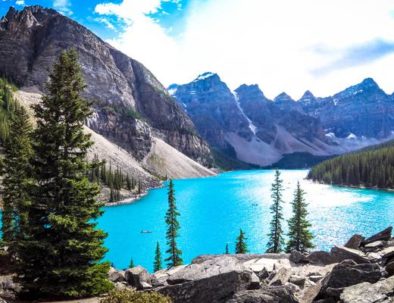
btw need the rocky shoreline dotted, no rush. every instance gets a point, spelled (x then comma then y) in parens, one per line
(361, 271)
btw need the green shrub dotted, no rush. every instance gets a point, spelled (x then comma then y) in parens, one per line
(132, 296)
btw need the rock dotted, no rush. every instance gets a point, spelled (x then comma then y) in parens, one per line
(320, 258)
(297, 257)
(138, 277)
(354, 242)
(345, 274)
(387, 253)
(116, 276)
(381, 292)
(280, 277)
(279, 294)
(210, 280)
(390, 268)
(340, 253)
(293, 287)
(254, 282)
(297, 280)
(374, 246)
(315, 278)
(384, 235)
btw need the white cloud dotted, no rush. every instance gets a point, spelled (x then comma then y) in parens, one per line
(107, 23)
(20, 2)
(277, 44)
(63, 6)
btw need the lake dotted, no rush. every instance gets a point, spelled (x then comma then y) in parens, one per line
(213, 210)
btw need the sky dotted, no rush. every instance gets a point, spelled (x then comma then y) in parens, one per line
(282, 45)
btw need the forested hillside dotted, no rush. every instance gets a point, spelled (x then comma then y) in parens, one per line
(7, 107)
(371, 167)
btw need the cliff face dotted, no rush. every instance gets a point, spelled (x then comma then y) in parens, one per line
(131, 106)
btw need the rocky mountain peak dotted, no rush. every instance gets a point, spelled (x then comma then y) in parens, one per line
(367, 87)
(250, 91)
(307, 97)
(283, 98)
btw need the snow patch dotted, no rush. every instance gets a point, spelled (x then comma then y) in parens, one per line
(204, 76)
(172, 91)
(252, 127)
(351, 136)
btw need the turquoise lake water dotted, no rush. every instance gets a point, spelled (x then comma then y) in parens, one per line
(214, 209)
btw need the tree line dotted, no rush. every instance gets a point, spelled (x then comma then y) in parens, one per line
(371, 167)
(115, 179)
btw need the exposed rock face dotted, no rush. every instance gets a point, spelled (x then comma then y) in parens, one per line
(346, 113)
(248, 126)
(130, 104)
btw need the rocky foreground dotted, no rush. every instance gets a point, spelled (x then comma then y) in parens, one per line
(361, 271)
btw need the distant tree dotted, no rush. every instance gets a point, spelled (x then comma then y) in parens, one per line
(300, 238)
(276, 240)
(157, 264)
(240, 245)
(16, 172)
(174, 253)
(63, 254)
(131, 264)
(128, 182)
(227, 251)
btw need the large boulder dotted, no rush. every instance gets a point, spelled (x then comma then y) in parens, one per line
(345, 274)
(381, 291)
(340, 253)
(272, 294)
(138, 277)
(116, 275)
(321, 258)
(384, 235)
(355, 241)
(214, 280)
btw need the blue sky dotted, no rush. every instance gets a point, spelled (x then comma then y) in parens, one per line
(169, 15)
(282, 45)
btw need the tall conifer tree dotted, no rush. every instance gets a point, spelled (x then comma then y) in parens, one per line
(300, 238)
(63, 255)
(276, 241)
(174, 253)
(157, 263)
(240, 245)
(16, 171)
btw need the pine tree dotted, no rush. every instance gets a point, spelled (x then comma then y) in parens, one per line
(63, 255)
(240, 245)
(174, 253)
(157, 264)
(128, 182)
(300, 238)
(16, 172)
(276, 241)
(227, 251)
(131, 264)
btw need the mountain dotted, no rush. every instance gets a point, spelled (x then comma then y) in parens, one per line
(370, 167)
(362, 110)
(132, 109)
(246, 126)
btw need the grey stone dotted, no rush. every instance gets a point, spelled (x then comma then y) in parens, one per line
(354, 242)
(340, 253)
(384, 235)
(348, 273)
(297, 257)
(315, 278)
(381, 292)
(320, 258)
(390, 268)
(138, 277)
(374, 246)
(387, 253)
(116, 276)
(280, 277)
(254, 282)
(297, 280)
(279, 294)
